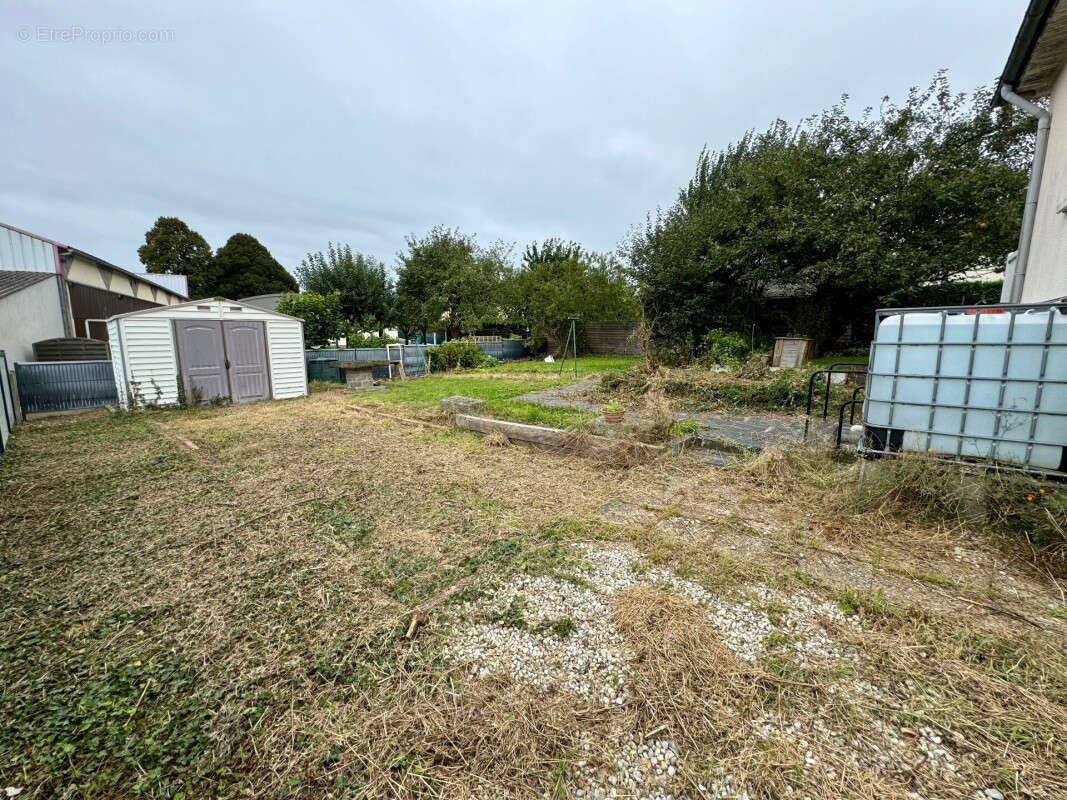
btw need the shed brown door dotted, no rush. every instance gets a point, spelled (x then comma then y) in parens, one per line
(203, 361)
(247, 353)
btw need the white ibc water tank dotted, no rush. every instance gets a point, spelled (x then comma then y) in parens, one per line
(967, 385)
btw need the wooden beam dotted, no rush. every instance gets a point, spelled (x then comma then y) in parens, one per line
(408, 420)
(599, 447)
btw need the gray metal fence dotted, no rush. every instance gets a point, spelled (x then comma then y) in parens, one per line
(505, 350)
(414, 357)
(64, 385)
(7, 413)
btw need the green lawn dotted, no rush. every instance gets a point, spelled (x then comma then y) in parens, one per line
(586, 364)
(498, 386)
(822, 362)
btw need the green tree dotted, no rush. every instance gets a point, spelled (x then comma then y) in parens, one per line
(172, 247)
(324, 321)
(247, 268)
(367, 298)
(558, 280)
(838, 211)
(445, 279)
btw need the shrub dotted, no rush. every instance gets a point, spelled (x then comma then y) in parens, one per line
(723, 347)
(757, 367)
(369, 340)
(488, 362)
(455, 355)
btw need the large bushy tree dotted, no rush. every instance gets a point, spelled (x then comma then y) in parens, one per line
(840, 210)
(365, 291)
(558, 280)
(245, 268)
(445, 279)
(172, 247)
(324, 322)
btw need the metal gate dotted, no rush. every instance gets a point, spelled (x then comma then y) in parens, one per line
(64, 385)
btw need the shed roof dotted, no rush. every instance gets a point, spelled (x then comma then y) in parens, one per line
(12, 281)
(204, 301)
(268, 302)
(1039, 51)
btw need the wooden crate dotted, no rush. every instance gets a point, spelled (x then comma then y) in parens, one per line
(791, 351)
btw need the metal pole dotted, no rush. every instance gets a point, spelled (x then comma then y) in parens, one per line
(574, 344)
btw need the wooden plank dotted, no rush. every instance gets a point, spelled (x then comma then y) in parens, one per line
(600, 447)
(408, 420)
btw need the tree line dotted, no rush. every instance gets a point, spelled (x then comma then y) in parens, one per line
(800, 229)
(240, 268)
(446, 281)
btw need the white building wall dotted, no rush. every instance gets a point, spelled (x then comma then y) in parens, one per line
(28, 316)
(288, 369)
(151, 365)
(1046, 272)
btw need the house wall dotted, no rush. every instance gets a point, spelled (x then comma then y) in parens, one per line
(1046, 273)
(92, 303)
(28, 316)
(89, 273)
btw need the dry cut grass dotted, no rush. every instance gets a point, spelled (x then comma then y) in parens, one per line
(231, 620)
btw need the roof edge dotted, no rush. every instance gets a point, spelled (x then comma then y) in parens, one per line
(109, 265)
(1033, 25)
(157, 309)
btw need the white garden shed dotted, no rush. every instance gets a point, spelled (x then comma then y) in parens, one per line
(216, 348)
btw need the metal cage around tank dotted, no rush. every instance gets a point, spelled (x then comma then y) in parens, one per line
(970, 384)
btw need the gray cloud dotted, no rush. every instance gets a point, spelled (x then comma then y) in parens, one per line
(362, 122)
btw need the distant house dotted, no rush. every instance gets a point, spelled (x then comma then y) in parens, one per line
(1035, 71)
(50, 290)
(267, 302)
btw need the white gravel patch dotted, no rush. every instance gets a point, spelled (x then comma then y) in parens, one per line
(510, 632)
(592, 660)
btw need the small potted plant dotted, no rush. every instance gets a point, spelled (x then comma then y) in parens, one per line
(613, 412)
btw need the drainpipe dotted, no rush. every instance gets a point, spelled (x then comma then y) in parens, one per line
(1026, 233)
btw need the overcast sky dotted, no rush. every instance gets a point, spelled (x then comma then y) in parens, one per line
(361, 122)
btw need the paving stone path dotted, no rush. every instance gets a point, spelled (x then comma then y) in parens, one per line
(727, 433)
(565, 395)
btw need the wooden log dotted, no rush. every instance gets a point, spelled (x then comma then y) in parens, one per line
(600, 447)
(408, 420)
